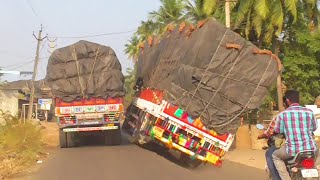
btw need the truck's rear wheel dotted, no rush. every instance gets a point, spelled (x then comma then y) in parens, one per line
(112, 137)
(62, 139)
(71, 139)
(188, 162)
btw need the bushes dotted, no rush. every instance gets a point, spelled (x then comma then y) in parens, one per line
(20, 145)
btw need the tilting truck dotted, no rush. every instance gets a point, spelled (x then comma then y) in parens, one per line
(193, 85)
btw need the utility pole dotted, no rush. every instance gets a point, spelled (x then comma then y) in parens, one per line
(227, 10)
(36, 61)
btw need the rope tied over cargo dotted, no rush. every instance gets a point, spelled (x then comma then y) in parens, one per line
(213, 57)
(93, 65)
(261, 80)
(276, 58)
(229, 46)
(74, 55)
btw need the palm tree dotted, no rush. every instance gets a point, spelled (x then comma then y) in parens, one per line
(197, 10)
(148, 28)
(132, 48)
(269, 18)
(170, 11)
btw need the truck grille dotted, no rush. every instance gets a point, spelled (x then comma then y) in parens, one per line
(112, 116)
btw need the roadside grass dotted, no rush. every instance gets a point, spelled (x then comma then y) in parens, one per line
(20, 146)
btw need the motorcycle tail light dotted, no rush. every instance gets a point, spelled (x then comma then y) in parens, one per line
(307, 163)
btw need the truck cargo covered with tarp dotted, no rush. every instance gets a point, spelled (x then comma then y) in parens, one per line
(84, 70)
(209, 71)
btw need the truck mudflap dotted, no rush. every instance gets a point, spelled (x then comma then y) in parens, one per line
(85, 129)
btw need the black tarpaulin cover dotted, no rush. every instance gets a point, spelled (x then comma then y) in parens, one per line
(214, 73)
(84, 70)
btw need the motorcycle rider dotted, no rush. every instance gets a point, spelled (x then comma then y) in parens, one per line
(297, 123)
(268, 133)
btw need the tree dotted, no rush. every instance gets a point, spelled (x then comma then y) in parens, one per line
(268, 18)
(170, 11)
(266, 22)
(148, 28)
(128, 84)
(132, 48)
(302, 64)
(201, 9)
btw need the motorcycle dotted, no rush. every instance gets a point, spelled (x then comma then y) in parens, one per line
(301, 166)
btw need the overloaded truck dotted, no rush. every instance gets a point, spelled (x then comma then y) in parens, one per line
(193, 85)
(87, 85)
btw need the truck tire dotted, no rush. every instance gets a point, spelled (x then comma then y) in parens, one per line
(188, 162)
(112, 137)
(71, 139)
(62, 139)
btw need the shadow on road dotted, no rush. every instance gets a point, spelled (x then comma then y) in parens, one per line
(96, 140)
(170, 155)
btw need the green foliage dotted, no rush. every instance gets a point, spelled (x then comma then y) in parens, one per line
(20, 145)
(302, 65)
(197, 10)
(129, 82)
(131, 48)
(169, 11)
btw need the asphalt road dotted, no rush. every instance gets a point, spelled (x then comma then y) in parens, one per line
(129, 161)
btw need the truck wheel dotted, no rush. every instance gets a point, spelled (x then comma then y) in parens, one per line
(112, 137)
(62, 138)
(71, 139)
(188, 162)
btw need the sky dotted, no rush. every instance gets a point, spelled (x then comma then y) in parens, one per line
(19, 19)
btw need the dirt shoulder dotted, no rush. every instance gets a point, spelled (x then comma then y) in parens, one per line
(50, 134)
(50, 143)
(248, 157)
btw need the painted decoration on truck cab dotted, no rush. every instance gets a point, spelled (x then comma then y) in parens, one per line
(101, 108)
(77, 109)
(114, 107)
(65, 110)
(89, 109)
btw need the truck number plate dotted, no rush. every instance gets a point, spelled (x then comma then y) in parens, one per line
(306, 173)
(89, 116)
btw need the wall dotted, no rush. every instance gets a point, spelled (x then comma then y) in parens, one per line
(9, 101)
